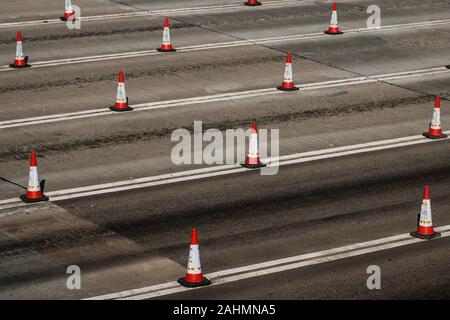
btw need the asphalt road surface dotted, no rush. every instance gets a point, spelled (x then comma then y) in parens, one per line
(370, 91)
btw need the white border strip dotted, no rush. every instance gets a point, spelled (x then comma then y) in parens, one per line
(219, 97)
(215, 171)
(145, 13)
(219, 45)
(274, 266)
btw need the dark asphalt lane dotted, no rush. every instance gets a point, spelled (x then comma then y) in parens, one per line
(243, 218)
(114, 148)
(305, 208)
(418, 271)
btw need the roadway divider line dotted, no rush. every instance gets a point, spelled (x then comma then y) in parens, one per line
(220, 45)
(275, 266)
(215, 171)
(219, 97)
(145, 13)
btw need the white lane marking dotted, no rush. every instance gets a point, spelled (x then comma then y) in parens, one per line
(228, 44)
(215, 171)
(275, 266)
(219, 97)
(150, 13)
(232, 166)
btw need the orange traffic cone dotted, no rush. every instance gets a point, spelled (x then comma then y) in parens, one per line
(333, 28)
(166, 45)
(69, 13)
(252, 160)
(20, 61)
(34, 191)
(425, 226)
(252, 3)
(121, 103)
(194, 276)
(435, 130)
(288, 82)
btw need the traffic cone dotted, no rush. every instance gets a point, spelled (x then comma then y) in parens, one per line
(252, 3)
(121, 97)
(288, 82)
(68, 11)
(20, 61)
(435, 130)
(333, 28)
(194, 276)
(425, 224)
(34, 191)
(252, 160)
(166, 46)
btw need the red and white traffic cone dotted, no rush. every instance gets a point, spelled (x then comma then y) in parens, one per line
(69, 13)
(194, 276)
(288, 82)
(333, 28)
(425, 225)
(435, 130)
(252, 3)
(166, 45)
(21, 61)
(252, 160)
(121, 103)
(34, 191)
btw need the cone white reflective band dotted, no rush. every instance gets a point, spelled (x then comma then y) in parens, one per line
(334, 20)
(425, 214)
(288, 73)
(194, 266)
(19, 51)
(166, 36)
(436, 121)
(33, 180)
(253, 146)
(68, 6)
(121, 95)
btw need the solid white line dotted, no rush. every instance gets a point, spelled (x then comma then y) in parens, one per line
(275, 266)
(149, 13)
(228, 44)
(218, 98)
(215, 171)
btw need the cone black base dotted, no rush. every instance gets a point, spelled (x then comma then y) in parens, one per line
(28, 200)
(166, 50)
(12, 65)
(113, 108)
(253, 166)
(184, 283)
(333, 33)
(63, 18)
(441, 136)
(420, 236)
(257, 3)
(448, 66)
(287, 89)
